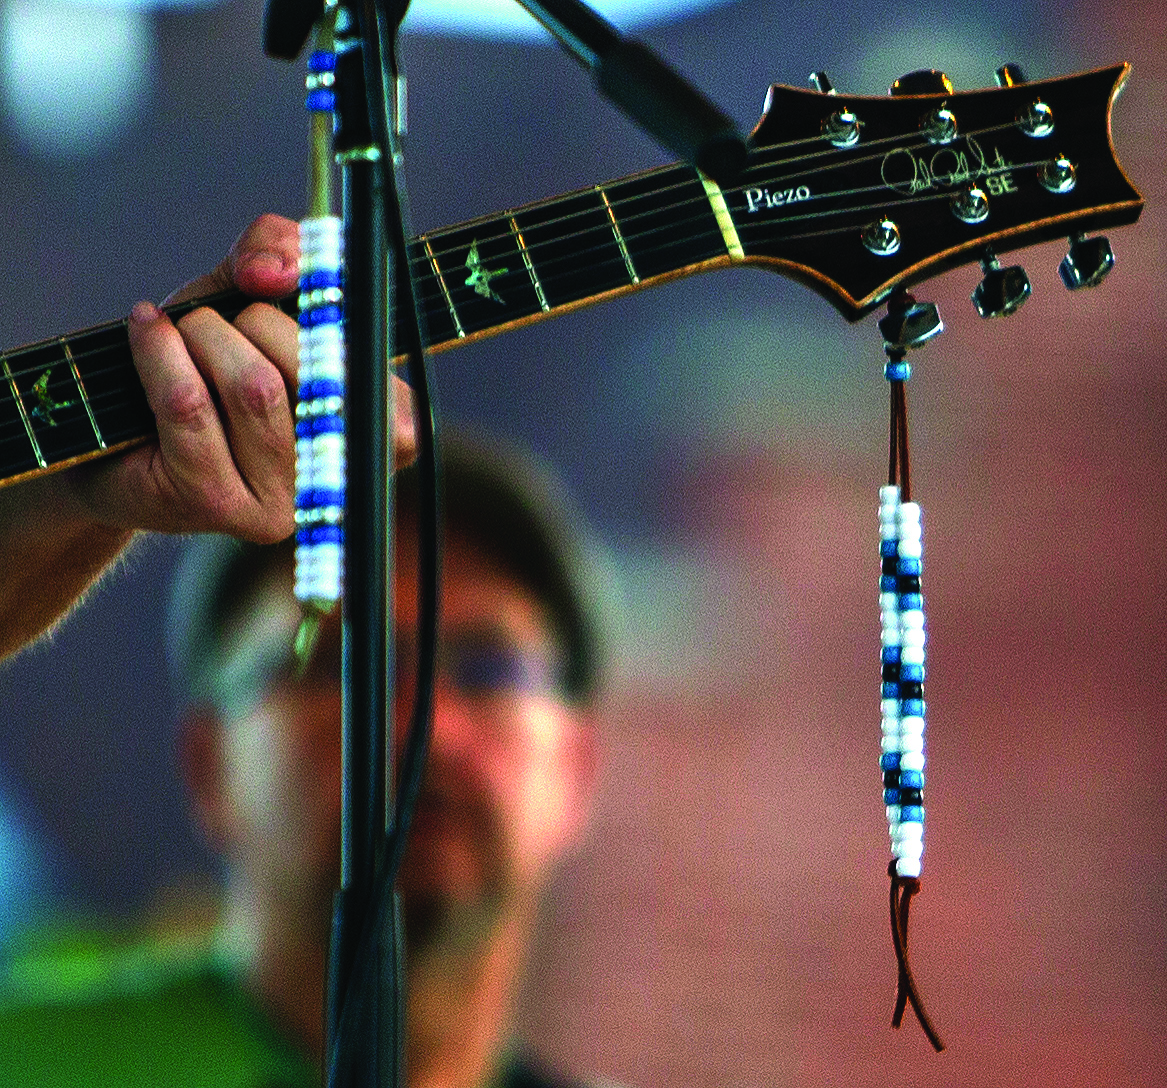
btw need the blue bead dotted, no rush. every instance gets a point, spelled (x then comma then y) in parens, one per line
(912, 814)
(320, 278)
(887, 583)
(321, 315)
(308, 428)
(321, 60)
(321, 387)
(912, 673)
(890, 689)
(897, 372)
(320, 534)
(888, 547)
(320, 100)
(911, 601)
(891, 797)
(889, 761)
(890, 655)
(908, 566)
(315, 497)
(913, 708)
(912, 780)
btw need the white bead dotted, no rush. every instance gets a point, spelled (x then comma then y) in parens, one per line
(908, 513)
(907, 832)
(912, 636)
(910, 743)
(912, 618)
(890, 727)
(912, 725)
(888, 602)
(889, 708)
(906, 868)
(912, 655)
(890, 743)
(893, 813)
(907, 851)
(912, 761)
(910, 549)
(889, 494)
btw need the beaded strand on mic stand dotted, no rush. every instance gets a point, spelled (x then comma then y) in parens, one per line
(320, 437)
(908, 324)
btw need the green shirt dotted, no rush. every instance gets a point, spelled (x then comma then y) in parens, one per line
(95, 1012)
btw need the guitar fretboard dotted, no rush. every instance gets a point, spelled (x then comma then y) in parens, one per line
(74, 397)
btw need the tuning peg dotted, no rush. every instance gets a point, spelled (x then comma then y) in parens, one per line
(1009, 75)
(821, 82)
(925, 81)
(1002, 291)
(1087, 263)
(908, 323)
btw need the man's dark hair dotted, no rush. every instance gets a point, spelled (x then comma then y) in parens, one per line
(504, 504)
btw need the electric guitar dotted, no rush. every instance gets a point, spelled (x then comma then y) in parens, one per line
(854, 196)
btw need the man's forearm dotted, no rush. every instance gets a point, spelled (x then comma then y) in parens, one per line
(51, 552)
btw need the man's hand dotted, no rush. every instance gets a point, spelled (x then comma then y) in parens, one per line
(222, 394)
(224, 460)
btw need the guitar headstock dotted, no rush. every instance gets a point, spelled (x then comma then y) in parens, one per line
(857, 195)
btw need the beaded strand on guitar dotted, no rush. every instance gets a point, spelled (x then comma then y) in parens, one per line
(901, 604)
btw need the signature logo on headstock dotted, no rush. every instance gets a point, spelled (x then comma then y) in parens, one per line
(480, 276)
(906, 172)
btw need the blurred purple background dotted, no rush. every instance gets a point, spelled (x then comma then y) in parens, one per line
(725, 924)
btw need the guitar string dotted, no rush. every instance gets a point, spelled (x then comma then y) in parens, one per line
(81, 355)
(99, 401)
(847, 158)
(548, 276)
(697, 201)
(78, 356)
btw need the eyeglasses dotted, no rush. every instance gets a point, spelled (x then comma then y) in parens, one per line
(480, 663)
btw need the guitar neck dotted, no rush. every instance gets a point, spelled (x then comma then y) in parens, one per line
(75, 397)
(854, 197)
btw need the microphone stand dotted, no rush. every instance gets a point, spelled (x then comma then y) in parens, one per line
(365, 1008)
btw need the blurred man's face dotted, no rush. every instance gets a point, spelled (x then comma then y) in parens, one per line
(509, 773)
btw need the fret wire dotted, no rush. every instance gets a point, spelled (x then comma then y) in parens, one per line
(81, 389)
(778, 238)
(685, 178)
(618, 236)
(843, 161)
(518, 235)
(36, 448)
(445, 290)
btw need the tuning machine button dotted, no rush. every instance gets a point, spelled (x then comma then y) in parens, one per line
(1058, 175)
(1036, 120)
(842, 128)
(925, 81)
(821, 82)
(882, 237)
(1087, 263)
(1009, 75)
(971, 205)
(908, 323)
(1003, 290)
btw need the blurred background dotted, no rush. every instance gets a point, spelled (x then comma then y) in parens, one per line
(725, 924)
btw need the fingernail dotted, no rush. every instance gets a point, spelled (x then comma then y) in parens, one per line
(144, 312)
